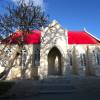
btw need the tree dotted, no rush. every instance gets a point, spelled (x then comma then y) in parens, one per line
(23, 17)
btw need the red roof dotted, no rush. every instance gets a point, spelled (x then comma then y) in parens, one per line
(74, 37)
(81, 37)
(31, 38)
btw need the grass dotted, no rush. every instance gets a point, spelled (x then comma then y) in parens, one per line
(5, 86)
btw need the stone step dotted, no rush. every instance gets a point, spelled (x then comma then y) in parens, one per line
(56, 87)
(56, 91)
(55, 83)
(55, 80)
(50, 85)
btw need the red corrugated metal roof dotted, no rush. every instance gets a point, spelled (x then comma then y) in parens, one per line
(74, 37)
(81, 37)
(31, 38)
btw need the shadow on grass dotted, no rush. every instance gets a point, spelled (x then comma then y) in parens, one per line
(5, 86)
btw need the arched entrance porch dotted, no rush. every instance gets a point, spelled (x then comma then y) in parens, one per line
(54, 62)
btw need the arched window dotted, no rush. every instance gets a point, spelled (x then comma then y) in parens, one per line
(37, 57)
(70, 57)
(98, 58)
(24, 55)
(83, 59)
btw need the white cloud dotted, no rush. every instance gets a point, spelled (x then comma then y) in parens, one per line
(36, 2)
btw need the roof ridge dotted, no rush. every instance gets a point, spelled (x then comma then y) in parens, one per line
(92, 35)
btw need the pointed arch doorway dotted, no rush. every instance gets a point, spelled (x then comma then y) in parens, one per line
(54, 62)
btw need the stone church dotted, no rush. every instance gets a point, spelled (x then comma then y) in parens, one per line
(53, 51)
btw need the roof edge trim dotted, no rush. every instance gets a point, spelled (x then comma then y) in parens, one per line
(91, 35)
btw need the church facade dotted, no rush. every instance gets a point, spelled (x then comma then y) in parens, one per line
(55, 51)
(68, 52)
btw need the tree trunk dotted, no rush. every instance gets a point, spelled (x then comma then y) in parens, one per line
(33, 69)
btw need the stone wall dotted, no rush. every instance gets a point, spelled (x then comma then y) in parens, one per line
(23, 65)
(52, 36)
(83, 57)
(33, 59)
(91, 66)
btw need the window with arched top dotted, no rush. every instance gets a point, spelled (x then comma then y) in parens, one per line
(37, 57)
(70, 56)
(83, 59)
(97, 55)
(98, 58)
(24, 55)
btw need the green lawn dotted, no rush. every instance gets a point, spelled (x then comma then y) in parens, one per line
(5, 86)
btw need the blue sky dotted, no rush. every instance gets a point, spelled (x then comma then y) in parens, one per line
(73, 14)
(76, 14)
